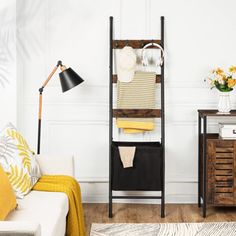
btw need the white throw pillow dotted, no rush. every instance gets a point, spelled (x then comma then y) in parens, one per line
(18, 161)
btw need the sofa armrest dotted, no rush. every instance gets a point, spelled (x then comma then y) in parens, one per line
(19, 228)
(56, 165)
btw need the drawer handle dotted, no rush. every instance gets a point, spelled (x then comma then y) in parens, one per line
(234, 131)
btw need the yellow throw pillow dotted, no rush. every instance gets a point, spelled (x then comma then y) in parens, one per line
(7, 195)
(18, 161)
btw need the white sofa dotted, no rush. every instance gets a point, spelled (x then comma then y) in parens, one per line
(41, 213)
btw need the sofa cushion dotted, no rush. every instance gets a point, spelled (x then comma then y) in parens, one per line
(7, 196)
(49, 209)
(19, 228)
(18, 161)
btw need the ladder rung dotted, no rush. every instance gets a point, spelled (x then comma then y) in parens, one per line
(158, 79)
(136, 113)
(138, 44)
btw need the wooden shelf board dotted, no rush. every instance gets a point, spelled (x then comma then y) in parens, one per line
(137, 44)
(216, 136)
(206, 112)
(136, 113)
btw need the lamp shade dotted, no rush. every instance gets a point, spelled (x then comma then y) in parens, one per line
(69, 79)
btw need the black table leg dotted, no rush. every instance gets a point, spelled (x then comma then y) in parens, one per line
(110, 205)
(199, 159)
(110, 181)
(204, 166)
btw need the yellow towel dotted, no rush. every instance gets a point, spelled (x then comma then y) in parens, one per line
(132, 126)
(137, 94)
(68, 185)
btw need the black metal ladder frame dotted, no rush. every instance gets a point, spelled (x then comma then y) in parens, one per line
(111, 197)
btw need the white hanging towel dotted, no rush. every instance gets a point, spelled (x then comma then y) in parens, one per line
(127, 156)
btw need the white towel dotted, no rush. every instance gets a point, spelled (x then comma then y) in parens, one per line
(127, 156)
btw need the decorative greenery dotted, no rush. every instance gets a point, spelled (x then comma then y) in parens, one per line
(223, 81)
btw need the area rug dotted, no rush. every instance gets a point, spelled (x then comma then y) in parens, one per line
(165, 229)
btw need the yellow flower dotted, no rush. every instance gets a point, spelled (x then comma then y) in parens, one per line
(218, 71)
(232, 69)
(223, 77)
(212, 82)
(231, 83)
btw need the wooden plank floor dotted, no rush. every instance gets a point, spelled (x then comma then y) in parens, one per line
(149, 213)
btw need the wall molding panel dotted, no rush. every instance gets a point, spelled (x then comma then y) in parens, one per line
(76, 123)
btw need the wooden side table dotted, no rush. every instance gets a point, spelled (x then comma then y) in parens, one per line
(203, 166)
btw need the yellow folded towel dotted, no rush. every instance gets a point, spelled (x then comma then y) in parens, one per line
(135, 125)
(68, 185)
(137, 94)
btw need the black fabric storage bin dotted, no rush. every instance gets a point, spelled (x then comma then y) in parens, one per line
(146, 171)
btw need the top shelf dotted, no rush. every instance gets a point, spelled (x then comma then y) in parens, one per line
(137, 44)
(205, 113)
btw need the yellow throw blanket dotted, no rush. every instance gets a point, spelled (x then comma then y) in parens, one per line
(69, 186)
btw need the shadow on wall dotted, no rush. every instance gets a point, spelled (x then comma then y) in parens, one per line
(6, 55)
(7, 41)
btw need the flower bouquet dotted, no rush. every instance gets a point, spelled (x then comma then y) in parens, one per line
(225, 83)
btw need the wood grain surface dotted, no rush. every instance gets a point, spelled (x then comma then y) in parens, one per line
(150, 213)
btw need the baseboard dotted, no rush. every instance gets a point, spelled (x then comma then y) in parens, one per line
(170, 199)
(176, 192)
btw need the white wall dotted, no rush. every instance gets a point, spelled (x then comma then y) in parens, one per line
(199, 36)
(8, 103)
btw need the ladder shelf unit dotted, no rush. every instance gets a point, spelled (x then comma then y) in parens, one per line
(148, 173)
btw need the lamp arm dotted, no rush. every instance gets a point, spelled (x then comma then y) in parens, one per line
(59, 63)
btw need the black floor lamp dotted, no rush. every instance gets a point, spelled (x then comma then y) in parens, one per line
(69, 79)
